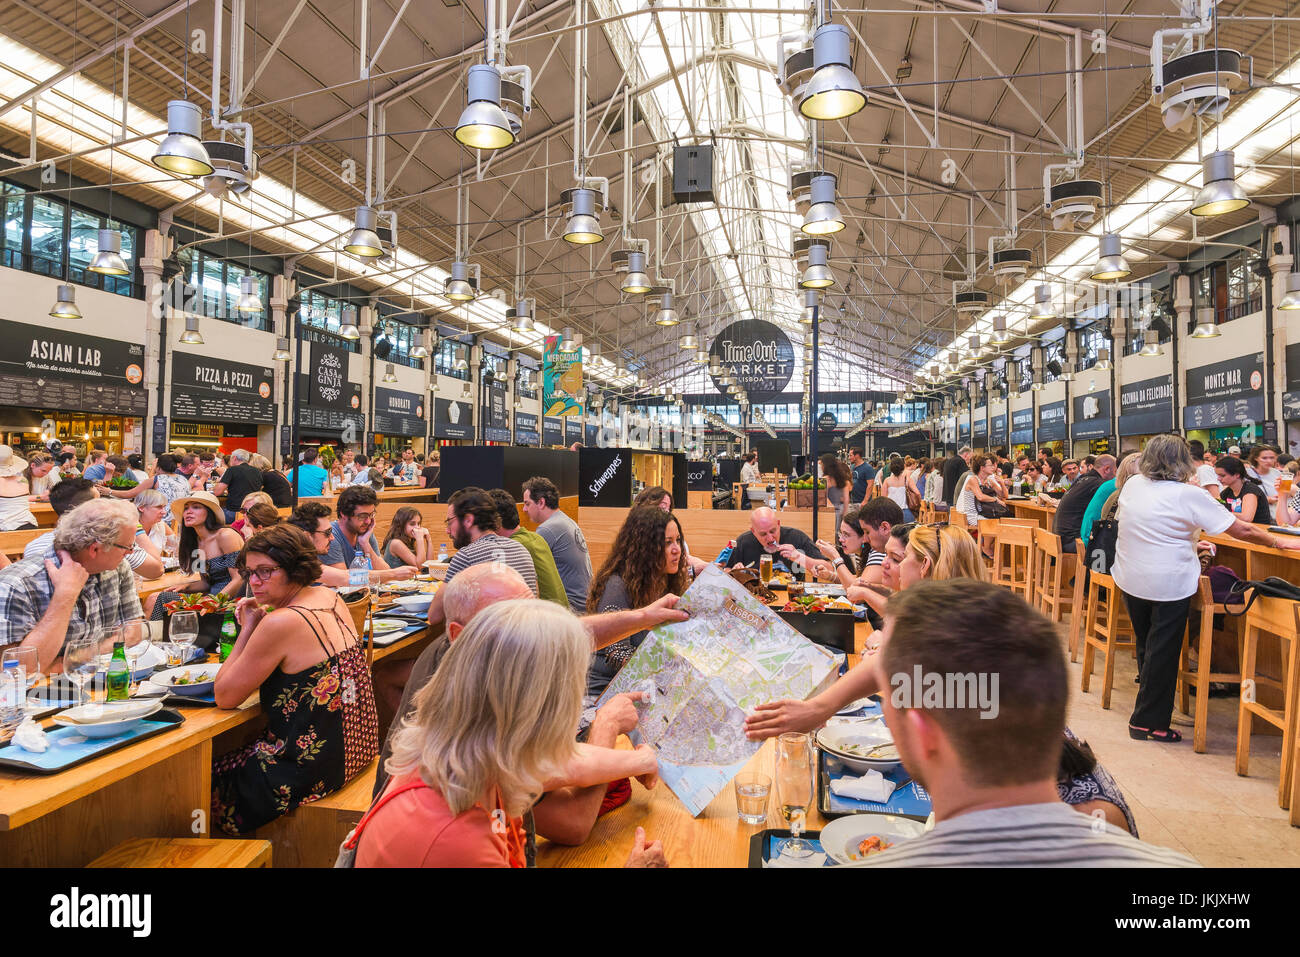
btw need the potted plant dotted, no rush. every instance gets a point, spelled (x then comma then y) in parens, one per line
(211, 610)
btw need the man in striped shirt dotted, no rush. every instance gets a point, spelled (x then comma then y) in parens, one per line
(974, 688)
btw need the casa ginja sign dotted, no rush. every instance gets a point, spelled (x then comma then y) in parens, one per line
(757, 354)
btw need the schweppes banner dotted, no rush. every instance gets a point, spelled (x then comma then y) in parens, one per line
(561, 379)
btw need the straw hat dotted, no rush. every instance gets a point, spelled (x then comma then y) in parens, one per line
(206, 499)
(10, 464)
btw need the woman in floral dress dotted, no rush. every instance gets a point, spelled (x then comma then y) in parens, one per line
(298, 649)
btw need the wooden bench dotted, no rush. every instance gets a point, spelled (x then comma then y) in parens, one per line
(186, 852)
(311, 835)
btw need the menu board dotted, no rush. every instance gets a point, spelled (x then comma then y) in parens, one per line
(1225, 393)
(217, 390)
(1051, 422)
(452, 419)
(572, 429)
(1146, 407)
(331, 418)
(1022, 426)
(998, 429)
(328, 377)
(53, 368)
(1091, 416)
(552, 430)
(495, 418)
(526, 429)
(398, 413)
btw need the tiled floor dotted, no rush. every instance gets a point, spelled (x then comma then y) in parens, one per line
(1195, 803)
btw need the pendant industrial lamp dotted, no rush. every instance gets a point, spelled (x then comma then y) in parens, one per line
(1103, 360)
(364, 241)
(1000, 334)
(1151, 347)
(483, 124)
(249, 300)
(1220, 193)
(181, 151)
(810, 300)
(1291, 300)
(422, 348)
(1206, 327)
(1111, 264)
(834, 91)
(583, 228)
(823, 216)
(817, 274)
(348, 328)
(191, 336)
(65, 303)
(688, 341)
(636, 282)
(667, 315)
(458, 287)
(1044, 308)
(462, 360)
(108, 258)
(390, 375)
(281, 353)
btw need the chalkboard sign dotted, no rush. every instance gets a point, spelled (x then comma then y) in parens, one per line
(398, 413)
(218, 390)
(1051, 422)
(452, 419)
(1146, 407)
(552, 430)
(526, 429)
(572, 429)
(1227, 393)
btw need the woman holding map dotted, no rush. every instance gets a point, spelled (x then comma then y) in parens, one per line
(644, 564)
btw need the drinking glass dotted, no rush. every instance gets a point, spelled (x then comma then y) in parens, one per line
(29, 660)
(79, 663)
(752, 791)
(765, 568)
(794, 788)
(184, 629)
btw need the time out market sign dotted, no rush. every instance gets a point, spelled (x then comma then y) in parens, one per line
(758, 354)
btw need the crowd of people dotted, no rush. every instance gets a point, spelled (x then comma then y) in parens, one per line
(493, 732)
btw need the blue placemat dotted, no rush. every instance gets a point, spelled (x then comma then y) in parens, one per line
(772, 849)
(911, 799)
(68, 747)
(383, 641)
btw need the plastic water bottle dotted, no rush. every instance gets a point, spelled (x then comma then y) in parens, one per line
(13, 693)
(442, 554)
(359, 571)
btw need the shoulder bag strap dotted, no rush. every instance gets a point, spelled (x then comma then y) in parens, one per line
(351, 843)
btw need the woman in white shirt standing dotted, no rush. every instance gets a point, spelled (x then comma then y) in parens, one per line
(981, 467)
(1161, 517)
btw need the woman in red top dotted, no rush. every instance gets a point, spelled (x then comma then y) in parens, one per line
(490, 729)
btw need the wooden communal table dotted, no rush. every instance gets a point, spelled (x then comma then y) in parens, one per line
(717, 838)
(160, 787)
(1042, 514)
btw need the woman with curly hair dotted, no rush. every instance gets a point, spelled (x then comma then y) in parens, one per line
(644, 564)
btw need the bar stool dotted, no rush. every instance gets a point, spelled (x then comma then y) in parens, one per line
(1050, 567)
(1079, 624)
(1104, 632)
(1013, 558)
(1202, 601)
(988, 538)
(1270, 616)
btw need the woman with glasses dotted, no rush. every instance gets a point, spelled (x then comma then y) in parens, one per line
(932, 552)
(298, 650)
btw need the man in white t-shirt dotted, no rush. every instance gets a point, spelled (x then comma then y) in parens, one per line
(1205, 476)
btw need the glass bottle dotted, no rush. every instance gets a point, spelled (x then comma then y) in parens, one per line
(118, 680)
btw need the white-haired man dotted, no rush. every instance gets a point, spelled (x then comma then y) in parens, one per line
(79, 586)
(238, 482)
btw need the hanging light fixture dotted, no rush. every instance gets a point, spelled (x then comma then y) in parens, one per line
(457, 287)
(702, 355)
(1103, 360)
(823, 217)
(810, 299)
(364, 241)
(1044, 308)
(181, 151)
(483, 124)
(688, 341)
(389, 374)
(834, 91)
(1111, 264)
(348, 328)
(1292, 298)
(583, 227)
(249, 300)
(817, 274)
(523, 321)
(281, 353)
(636, 282)
(65, 303)
(1151, 347)
(191, 336)
(1221, 192)
(667, 315)
(465, 391)
(421, 349)
(1000, 334)
(567, 343)
(461, 364)
(1206, 327)
(108, 258)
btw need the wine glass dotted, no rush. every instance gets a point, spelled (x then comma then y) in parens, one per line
(135, 636)
(79, 663)
(794, 788)
(184, 629)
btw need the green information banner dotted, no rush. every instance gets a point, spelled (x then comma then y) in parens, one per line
(561, 379)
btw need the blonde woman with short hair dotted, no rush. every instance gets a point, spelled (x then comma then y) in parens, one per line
(490, 729)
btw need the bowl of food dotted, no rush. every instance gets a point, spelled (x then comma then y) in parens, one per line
(418, 602)
(107, 720)
(860, 746)
(386, 626)
(856, 837)
(193, 681)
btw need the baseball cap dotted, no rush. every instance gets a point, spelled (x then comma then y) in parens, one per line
(1234, 450)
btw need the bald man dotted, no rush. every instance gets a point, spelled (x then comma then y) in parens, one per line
(1070, 509)
(568, 810)
(766, 536)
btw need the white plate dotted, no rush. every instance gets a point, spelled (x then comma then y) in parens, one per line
(106, 720)
(165, 679)
(840, 838)
(414, 602)
(853, 706)
(834, 737)
(386, 626)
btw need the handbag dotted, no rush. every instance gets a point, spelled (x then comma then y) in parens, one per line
(1101, 545)
(913, 499)
(1271, 587)
(348, 849)
(996, 509)
(1222, 584)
